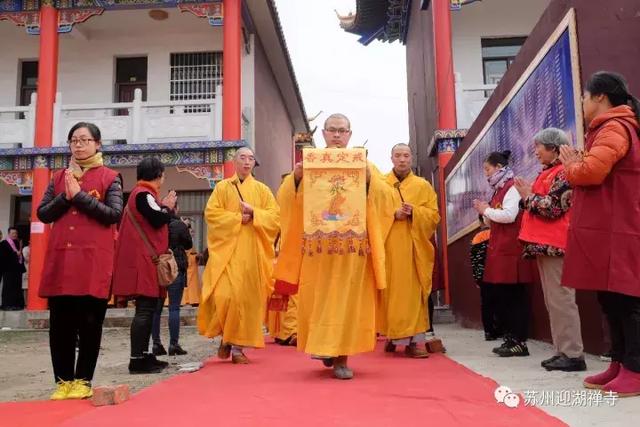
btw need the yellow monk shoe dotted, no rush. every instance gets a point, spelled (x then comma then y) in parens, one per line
(80, 389)
(62, 390)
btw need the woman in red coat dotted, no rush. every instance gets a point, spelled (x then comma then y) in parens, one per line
(505, 269)
(84, 202)
(604, 233)
(135, 273)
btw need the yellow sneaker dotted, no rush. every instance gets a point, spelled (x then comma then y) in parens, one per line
(62, 390)
(80, 389)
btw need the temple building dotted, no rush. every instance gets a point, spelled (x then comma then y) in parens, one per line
(485, 75)
(188, 81)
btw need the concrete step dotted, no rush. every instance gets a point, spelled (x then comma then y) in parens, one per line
(115, 318)
(121, 317)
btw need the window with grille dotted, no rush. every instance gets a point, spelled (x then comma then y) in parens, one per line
(195, 76)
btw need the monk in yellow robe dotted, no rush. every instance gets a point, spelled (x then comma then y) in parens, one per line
(337, 293)
(243, 221)
(191, 294)
(403, 315)
(283, 325)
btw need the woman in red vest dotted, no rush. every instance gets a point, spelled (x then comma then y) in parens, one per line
(505, 268)
(135, 273)
(604, 234)
(544, 233)
(84, 202)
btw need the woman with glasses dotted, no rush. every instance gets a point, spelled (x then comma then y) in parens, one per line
(83, 203)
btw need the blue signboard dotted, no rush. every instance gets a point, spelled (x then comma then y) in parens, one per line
(546, 98)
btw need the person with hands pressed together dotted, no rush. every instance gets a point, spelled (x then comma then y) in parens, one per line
(505, 269)
(403, 310)
(83, 203)
(603, 242)
(544, 233)
(243, 221)
(135, 274)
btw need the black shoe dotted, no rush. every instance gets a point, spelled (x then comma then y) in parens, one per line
(158, 350)
(143, 366)
(513, 348)
(155, 361)
(505, 343)
(567, 364)
(176, 350)
(328, 362)
(545, 362)
(389, 347)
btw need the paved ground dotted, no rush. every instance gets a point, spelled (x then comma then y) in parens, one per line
(524, 374)
(25, 370)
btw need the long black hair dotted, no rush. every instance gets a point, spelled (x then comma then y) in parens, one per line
(615, 88)
(498, 158)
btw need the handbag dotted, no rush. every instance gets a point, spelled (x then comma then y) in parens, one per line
(166, 265)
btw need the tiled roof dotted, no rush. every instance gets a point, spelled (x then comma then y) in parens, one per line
(384, 20)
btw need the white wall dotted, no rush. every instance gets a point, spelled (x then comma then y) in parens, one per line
(489, 18)
(86, 67)
(248, 92)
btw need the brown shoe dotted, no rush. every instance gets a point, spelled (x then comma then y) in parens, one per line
(389, 347)
(294, 340)
(224, 351)
(435, 346)
(239, 359)
(416, 353)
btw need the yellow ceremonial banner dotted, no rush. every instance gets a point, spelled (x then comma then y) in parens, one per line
(335, 200)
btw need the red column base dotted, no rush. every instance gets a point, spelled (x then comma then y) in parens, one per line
(38, 242)
(443, 159)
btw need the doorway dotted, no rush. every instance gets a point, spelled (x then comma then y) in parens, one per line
(131, 74)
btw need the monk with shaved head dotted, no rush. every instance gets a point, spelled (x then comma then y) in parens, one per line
(243, 220)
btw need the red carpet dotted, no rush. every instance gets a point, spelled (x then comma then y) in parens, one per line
(285, 388)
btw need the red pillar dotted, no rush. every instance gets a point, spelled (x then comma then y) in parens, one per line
(446, 101)
(47, 86)
(232, 72)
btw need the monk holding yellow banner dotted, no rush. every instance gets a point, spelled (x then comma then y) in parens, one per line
(333, 247)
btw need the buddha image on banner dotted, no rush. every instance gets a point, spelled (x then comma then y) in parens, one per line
(335, 202)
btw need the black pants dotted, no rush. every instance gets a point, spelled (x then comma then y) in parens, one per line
(513, 310)
(489, 304)
(141, 325)
(623, 315)
(431, 308)
(12, 294)
(75, 319)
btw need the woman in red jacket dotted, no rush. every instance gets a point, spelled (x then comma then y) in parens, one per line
(505, 270)
(135, 273)
(544, 234)
(604, 233)
(84, 202)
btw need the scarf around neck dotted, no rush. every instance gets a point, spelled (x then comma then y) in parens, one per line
(12, 244)
(500, 177)
(94, 161)
(153, 189)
